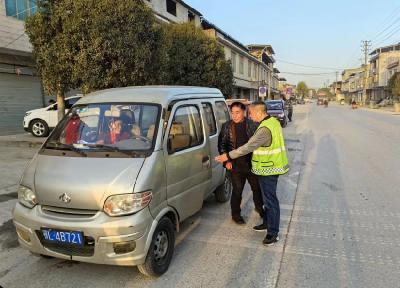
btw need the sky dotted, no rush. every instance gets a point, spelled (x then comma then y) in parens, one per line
(319, 33)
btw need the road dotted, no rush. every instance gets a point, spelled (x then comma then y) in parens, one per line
(345, 229)
(339, 227)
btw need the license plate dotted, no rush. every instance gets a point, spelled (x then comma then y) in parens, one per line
(63, 237)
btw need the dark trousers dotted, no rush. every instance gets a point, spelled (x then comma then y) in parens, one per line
(290, 114)
(268, 186)
(238, 181)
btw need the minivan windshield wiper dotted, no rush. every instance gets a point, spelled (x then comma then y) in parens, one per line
(107, 147)
(62, 146)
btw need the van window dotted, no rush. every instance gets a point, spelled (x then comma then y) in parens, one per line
(210, 119)
(222, 113)
(186, 130)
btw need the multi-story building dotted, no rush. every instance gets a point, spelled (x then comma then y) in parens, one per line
(384, 63)
(174, 11)
(353, 83)
(264, 53)
(249, 73)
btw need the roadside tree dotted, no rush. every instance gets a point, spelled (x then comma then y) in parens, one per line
(302, 89)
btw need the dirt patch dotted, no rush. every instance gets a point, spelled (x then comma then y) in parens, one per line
(8, 236)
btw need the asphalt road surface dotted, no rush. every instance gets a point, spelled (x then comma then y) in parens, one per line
(345, 229)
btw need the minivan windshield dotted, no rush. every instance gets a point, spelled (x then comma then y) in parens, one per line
(110, 127)
(274, 105)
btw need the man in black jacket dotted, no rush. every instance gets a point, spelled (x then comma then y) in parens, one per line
(234, 134)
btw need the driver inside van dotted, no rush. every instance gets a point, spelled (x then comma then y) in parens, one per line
(116, 133)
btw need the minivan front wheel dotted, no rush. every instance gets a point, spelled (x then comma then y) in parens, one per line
(161, 249)
(224, 191)
(39, 128)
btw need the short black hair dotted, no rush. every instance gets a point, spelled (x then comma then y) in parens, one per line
(238, 104)
(260, 104)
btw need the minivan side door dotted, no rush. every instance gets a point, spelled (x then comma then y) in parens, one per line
(212, 128)
(187, 156)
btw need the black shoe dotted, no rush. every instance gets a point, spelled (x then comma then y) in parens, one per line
(270, 240)
(260, 228)
(239, 220)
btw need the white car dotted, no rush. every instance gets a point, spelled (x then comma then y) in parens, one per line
(40, 121)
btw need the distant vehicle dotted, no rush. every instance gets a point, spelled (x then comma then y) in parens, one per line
(41, 121)
(276, 108)
(342, 102)
(320, 101)
(301, 101)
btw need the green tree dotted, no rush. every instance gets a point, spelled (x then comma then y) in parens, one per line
(118, 43)
(394, 85)
(195, 59)
(54, 62)
(302, 89)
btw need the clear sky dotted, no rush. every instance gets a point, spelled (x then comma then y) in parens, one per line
(323, 33)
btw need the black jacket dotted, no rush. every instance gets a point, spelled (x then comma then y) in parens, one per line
(227, 139)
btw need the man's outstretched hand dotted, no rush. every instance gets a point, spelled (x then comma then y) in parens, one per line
(221, 158)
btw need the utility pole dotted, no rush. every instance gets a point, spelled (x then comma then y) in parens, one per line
(365, 47)
(269, 71)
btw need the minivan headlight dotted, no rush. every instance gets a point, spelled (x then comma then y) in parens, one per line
(26, 197)
(125, 204)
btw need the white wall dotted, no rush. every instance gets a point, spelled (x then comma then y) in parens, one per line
(160, 7)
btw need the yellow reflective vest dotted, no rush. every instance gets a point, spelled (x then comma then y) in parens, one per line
(272, 160)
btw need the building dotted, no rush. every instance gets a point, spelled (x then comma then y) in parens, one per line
(384, 63)
(353, 83)
(264, 53)
(249, 73)
(20, 88)
(174, 11)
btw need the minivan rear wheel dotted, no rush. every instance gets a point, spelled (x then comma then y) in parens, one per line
(161, 250)
(224, 191)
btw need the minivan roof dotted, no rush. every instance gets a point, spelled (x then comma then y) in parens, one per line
(150, 94)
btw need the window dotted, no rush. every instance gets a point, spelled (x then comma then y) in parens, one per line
(70, 102)
(249, 68)
(222, 113)
(241, 65)
(210, 119)
(233, 62)
(191, 16)
(20, 9)
(92, 127)
(171, 7)
(186, 130)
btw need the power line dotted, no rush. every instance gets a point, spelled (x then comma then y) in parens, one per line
(308, 66)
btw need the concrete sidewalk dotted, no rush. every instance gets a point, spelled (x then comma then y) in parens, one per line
(21, 140)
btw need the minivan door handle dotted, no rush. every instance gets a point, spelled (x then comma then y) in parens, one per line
(206, 161)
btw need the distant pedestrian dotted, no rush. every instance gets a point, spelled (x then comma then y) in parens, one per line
(290, 110)
(269, 160)
(235, 133)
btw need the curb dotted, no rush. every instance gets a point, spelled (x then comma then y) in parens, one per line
(22, 144)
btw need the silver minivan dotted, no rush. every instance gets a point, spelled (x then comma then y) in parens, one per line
(119, 173)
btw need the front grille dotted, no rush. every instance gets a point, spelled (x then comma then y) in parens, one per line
(87, 250)
(68, 212)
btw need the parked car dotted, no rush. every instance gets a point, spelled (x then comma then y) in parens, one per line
(320, 101)
(276, 108)
(119, 173)
(41, 121)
